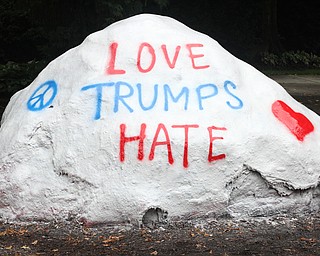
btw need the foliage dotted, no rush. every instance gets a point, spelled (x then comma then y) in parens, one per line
(298, 72)
(44, 29)
(16, 76)
(18, 37)
(291, 59)
(41, 29)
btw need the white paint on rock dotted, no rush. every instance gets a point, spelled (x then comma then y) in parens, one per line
(64, 159)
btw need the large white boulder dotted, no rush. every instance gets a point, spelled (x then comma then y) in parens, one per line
(149, 113)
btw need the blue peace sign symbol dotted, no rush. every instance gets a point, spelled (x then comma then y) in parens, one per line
(43, 96)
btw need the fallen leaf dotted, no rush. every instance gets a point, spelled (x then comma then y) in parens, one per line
(310, 240)
(309, 228)
(10, 231)
(25, 247)
(143, 232)
(154, 253)
(21, 231)
(34, 242)
(8, 247)
(112, 239)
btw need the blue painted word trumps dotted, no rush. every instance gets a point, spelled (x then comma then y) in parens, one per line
(165, 95)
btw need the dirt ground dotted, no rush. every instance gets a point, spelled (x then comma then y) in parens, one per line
(277, 236)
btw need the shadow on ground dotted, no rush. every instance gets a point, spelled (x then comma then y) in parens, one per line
(278, 236)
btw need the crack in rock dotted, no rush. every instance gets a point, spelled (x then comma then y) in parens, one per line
(252, 194)
(73, 178)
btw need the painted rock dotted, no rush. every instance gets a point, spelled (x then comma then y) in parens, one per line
(149, 114)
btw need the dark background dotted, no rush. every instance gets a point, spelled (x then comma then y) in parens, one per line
(43, 29)
(277, 34)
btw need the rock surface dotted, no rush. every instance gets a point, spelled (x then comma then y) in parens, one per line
(149, 114)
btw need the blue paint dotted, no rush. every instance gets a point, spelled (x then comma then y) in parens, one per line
(43, 96)
(118, 97)
(99, 96)
(154, 100)
(167, 91)
(240, 103)
(202, 97)
(124, 93)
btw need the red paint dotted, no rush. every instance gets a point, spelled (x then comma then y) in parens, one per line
(194, 56)
(212, 158)
(172, 63)
(161, 128)
(124, 140)
(186, 138)
(146, 48)
(297, 123)
(111, 66)
(153, 57)
(158, 143)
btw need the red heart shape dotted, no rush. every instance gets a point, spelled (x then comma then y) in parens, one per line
(297, 123)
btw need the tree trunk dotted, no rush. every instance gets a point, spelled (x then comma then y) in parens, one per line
(270, 27)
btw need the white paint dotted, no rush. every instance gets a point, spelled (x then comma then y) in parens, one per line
(60, 161)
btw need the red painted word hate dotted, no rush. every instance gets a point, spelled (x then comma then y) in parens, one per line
(162, 129)
(148, 51)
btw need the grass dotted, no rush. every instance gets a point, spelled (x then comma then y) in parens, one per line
(313, 72)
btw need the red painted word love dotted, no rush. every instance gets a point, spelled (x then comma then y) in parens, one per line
(297, 123)
(147, 50)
